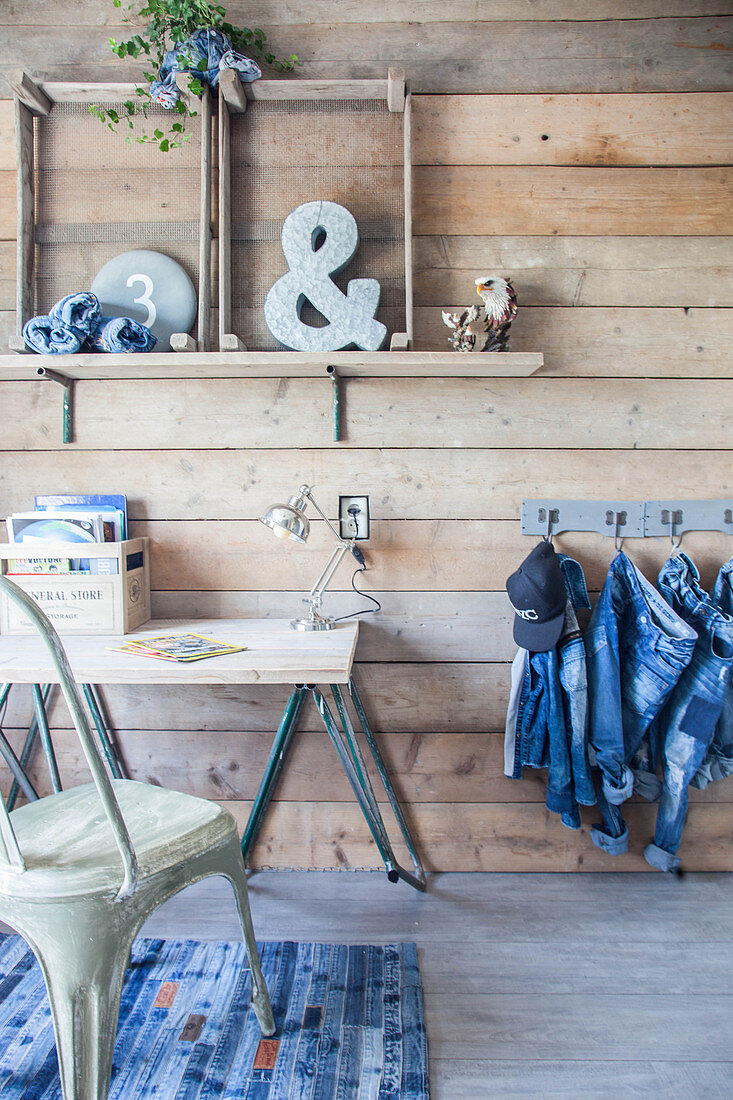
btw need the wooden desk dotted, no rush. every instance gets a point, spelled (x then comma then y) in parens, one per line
(274, 654)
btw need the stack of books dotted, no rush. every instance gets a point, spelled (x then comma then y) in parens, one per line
(67, 518)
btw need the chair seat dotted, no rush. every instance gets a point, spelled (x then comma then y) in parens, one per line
(69, 849)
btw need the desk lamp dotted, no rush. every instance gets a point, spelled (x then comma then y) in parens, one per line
(289, 521)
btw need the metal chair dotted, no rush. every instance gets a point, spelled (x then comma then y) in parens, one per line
(82, 869)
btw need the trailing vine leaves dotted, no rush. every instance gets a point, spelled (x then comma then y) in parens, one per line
(162, 24)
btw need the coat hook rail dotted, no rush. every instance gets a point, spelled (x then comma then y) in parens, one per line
(607, 517)
(68, 384)
(626, 518)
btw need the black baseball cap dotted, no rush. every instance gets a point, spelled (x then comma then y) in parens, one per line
(538, 595)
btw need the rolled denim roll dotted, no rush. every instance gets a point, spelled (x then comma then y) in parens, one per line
(48, 337)
(78, 312)
(121, 335)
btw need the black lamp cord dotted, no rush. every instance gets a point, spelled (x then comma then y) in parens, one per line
(364, 611)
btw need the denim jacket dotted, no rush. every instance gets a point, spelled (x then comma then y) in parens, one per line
(547, 719)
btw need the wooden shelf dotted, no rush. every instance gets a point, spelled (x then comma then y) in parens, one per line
(286, 364)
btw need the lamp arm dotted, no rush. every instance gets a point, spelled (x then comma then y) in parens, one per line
(316, 593)
(306, 491)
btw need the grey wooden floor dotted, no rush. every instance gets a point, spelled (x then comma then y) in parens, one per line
(599, 987)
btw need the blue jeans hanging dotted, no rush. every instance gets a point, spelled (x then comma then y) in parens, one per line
(689, 718)
(636, 648)
(718, 762)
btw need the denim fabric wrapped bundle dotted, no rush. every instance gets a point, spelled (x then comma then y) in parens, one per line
(121, 335)
(76, 324)
(207, 48)
(65, 328)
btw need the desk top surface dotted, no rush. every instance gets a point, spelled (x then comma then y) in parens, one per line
(274, 654)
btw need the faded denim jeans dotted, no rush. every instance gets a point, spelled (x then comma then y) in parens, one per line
(694, 707)
(637, 647)
(718, 762)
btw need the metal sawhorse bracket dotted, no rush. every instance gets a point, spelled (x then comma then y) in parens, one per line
(344, 740)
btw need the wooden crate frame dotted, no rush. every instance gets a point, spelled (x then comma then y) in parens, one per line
(122, 597)
(233, 98)
(36, 99)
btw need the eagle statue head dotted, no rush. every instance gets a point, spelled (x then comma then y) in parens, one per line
(499, 298)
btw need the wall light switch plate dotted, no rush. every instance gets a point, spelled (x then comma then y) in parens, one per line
(354, 518)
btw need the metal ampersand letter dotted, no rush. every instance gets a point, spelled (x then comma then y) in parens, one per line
(350, 316)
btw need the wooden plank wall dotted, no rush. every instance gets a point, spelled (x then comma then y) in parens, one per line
(583, 151)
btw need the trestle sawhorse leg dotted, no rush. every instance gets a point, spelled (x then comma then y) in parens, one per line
(39, 726)
(344, 740)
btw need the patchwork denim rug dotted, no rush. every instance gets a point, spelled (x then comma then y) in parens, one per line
(349, 1024)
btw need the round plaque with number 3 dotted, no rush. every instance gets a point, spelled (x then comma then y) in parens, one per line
(149, 287)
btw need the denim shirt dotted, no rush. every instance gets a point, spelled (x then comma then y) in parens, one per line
(547, 719)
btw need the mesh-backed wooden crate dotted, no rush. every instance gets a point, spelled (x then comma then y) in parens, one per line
(85, 195)
(284, 143)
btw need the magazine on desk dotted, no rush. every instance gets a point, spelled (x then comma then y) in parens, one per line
(178, 647)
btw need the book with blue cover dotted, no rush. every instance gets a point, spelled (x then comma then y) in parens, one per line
(91, 502)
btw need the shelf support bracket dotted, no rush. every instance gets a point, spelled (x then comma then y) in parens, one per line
(333, 375)
(68, 414)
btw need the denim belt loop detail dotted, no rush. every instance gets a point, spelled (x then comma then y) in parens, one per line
(613, 845)
(663, 861)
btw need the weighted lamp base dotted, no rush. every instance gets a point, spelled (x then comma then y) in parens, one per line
(314, 622)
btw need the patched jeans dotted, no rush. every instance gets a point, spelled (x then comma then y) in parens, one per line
(637, 647)
(694, 707)
(718, 762)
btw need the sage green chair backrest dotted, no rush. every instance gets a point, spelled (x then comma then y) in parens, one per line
(9, 849)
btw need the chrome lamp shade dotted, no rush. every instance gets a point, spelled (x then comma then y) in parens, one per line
(289, 521)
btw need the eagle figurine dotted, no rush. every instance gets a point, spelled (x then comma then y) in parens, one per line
(484, 328)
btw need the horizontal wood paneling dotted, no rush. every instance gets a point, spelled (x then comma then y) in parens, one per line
(467, 199)
(573, 130)
(483, 837)
(400, 698)
(551, 271)
(664, 343)
(422, 483)
(424, 767)
(614, 55)
(533, 412)
(463, 200)
(578, 271)
(100, 13)
(407, 555)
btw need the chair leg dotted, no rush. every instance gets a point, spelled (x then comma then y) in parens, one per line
(84, 974)
(260, 997)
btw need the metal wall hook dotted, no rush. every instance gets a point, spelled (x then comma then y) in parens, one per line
(619, 518)
(672, 523)
(551, 518)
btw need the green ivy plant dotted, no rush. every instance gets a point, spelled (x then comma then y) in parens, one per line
(163, 23)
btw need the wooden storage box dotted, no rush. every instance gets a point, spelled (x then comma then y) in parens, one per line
(82, 603)
(84, 196)
(286, 142)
